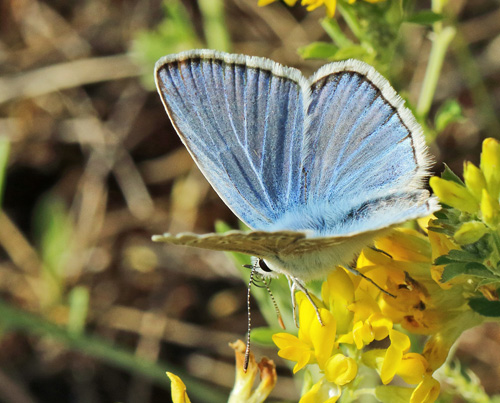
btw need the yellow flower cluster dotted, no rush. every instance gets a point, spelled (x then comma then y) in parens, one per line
(433, 279)
(353, 319)
(422, 304)
(311, 5)
(477, 198)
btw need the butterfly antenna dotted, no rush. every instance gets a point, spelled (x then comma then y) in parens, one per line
(249, 317)
(358, 273)
(278, 313)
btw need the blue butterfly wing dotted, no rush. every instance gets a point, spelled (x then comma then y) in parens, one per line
(241, 118)
(364, 152)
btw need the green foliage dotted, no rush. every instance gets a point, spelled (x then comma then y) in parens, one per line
(53, 230)
(13, 319)
(464, 383)
(318, 50)
(173, 34)
(448, 113)
(263, 336)
(425, 17)
(78, 299)
(449, 175)
(176, 33)
(485, 307)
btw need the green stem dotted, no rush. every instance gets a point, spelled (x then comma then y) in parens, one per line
(441, 41)
(214, 24)
(332, 28)
(351, 20)
(16, 319)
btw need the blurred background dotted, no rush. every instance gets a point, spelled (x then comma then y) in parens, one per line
(91, 310)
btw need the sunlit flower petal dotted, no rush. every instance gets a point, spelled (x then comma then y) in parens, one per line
(293, 349)
(426, 392)
(490, 165)
(340, 369)
(322, 392)
(338, 293)
(243, 390)
(314, 343)
(490, 209)
(179, 394)
(470, 232)
(454, 195)
(400, 343)
(474, 180)
(412, 368)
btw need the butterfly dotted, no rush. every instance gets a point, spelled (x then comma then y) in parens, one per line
(317, 167)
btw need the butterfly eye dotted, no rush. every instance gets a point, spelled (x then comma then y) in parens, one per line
(263, 265)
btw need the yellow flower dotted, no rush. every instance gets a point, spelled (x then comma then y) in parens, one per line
(314, 343)
(179, 394)
(314, 4)
(340, 369)
(490, 210)
(376, 327)
(490, 165)
(337, 293)
(455, 195)
(470, 232)
(321, 391)
(426, 392)
(474, 180)
(353, 320)
(311, 5)
(243, 385)
(400, 343)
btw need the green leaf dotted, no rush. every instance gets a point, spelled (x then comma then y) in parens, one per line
(445, 259)
(214, 24)
(334, 31)
(351, 52)
(263, 336)
(449, 112)
(173, 34)
(485, 307)
(222, 226)
(452, 270)
(462, 256)
(426, 17)
(318, 50)
(53, 228)
(449, 175)
(440, 215)
(469, 269)
(488, 281)
(78, 308)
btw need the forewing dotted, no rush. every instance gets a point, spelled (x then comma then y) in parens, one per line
(241, 119)
(255, 243)
(360, 140)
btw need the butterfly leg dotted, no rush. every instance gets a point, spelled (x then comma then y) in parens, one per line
(294, 302)
(295, 284)
(380, 251)
(358, 273)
